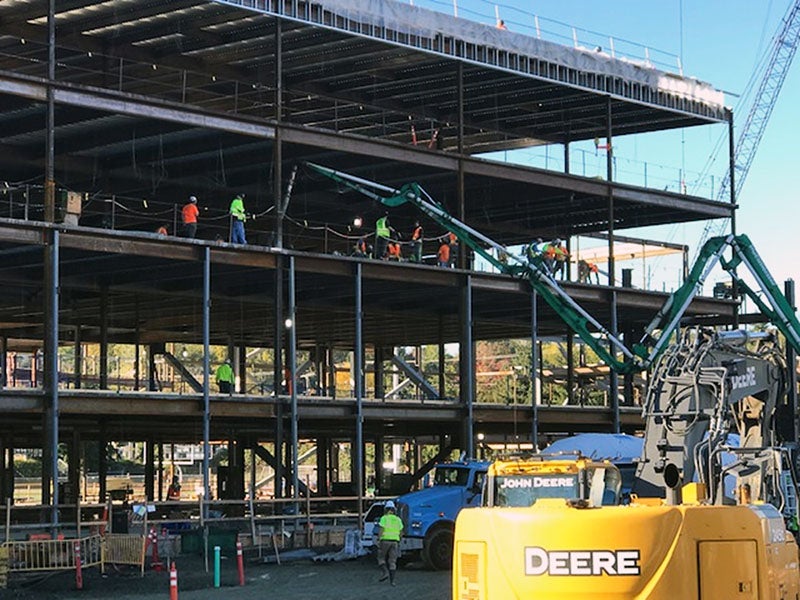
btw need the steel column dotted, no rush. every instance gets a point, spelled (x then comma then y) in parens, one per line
(570, 340)
(137, 356)
(613, 383)
(242, 367)
(160, 471)
(462, 208)
(151, 368)
(358, 363)
(331, 372)
(49, 177)
(206, 375)
(278, 146)
(610, 192)
(292, 379)
(378, 462)
(102, 463)
(277, 376)
(467, 364)
(323, 443)
(380, 392)
(104, 338)
(3, 361)
(73, 468)
(50, 465)
(536, 382)
(150, 469)
(3, 471)
(10, 479)
(441, 357)
(78, 359)
(442, 367)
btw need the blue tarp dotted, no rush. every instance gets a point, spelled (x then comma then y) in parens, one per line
(616, 447)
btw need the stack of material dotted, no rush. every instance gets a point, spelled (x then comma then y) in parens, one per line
(352, 549)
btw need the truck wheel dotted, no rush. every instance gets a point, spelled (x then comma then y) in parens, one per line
(439, 554)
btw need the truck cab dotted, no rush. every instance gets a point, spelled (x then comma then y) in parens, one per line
(429, 514)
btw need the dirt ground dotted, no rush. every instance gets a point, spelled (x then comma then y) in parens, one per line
(296, 580)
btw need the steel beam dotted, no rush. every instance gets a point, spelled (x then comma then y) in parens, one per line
(416, 377)
(134, 105)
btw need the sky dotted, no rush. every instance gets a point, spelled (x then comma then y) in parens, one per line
(718, 41)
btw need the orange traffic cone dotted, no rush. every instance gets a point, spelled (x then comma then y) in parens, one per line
(173, 582)
(155, 563)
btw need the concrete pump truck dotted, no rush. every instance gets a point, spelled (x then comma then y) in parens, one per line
(714, 508)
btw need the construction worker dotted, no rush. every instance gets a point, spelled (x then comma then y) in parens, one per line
(443, 256)
(562, 256)
(535, 249)
(585, 271)
(501, 25)
(238, 216)
(174, 489)
(555, 257)
(416, 243)
(361, 249)
(390, 529)
(594, 270)
(189, 214)
(393, 251)
(224, 377)
(453, 241)
(383, 231)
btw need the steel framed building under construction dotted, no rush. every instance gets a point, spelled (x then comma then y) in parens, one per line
(135, 107)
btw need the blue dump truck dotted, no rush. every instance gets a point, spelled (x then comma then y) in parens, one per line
(430, 513)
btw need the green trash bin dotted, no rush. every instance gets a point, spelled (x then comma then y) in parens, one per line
(192, 541)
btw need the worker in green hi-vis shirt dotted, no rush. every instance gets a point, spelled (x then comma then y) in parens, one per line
(224, 377)
(390, 529)
(238, 217)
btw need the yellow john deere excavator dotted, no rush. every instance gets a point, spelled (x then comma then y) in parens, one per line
(720, 532)
(716, 484)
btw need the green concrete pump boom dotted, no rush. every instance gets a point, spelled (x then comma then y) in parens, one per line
(773, 304)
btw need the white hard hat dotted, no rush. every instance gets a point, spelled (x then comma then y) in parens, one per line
(192, 199)
(389, 505)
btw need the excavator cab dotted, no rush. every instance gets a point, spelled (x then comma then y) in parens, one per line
(521, 483)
